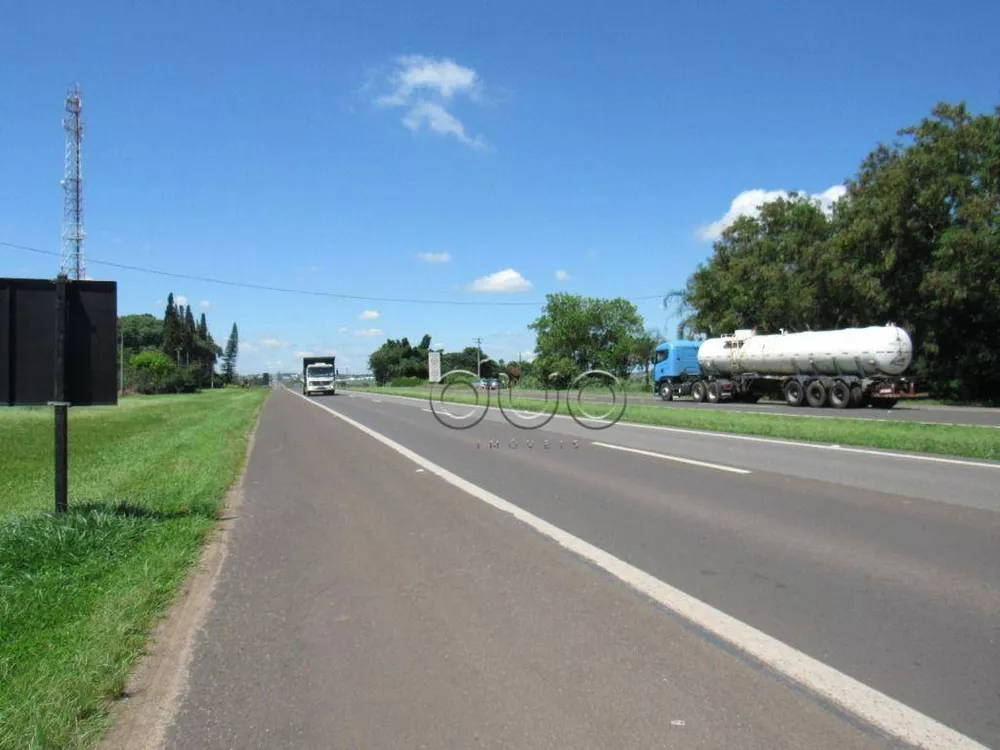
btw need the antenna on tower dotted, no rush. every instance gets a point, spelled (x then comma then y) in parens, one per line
(71, 261)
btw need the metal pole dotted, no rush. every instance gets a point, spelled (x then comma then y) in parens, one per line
(121, 364)
(59, 400)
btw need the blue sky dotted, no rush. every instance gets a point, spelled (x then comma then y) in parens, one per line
(332, 146)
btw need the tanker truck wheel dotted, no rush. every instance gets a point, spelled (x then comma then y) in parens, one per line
(666, 392)
(698, 392)
(713, 393)
(816, 394)
(794, 393)
(840, 395)
(857, 397)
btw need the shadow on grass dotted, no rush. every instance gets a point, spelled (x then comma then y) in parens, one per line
(127, 509)
(106, 530)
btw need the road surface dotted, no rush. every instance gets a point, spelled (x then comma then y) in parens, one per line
(915, 412)
(367, 603)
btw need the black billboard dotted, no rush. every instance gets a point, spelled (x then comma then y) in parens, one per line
(28, 342)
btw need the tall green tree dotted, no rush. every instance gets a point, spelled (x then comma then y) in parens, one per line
(772, 271)
(575, 334)
(173, 333)
(230, 356)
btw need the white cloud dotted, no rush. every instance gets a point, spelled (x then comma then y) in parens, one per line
(561, 275)
(369, 332)
(749, 202)
(272, 343)
(440, 121)
(368, 315)
(343, 329)
(304, 354)
(180, 299)
(507, 280)
(205, 304)
(434, 257)
(247, 347)
(273, 363)
(424, 86)
(444, 77)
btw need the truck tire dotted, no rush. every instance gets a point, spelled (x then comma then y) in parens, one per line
(816, 394)
(698, 391)
(840, 395)
(666, 392)
(713, 393)
(794, 393)
(857, 396)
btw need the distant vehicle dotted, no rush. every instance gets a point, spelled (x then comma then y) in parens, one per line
(845, 368)
(319, 375)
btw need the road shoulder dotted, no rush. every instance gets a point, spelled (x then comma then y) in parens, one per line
(141, 716)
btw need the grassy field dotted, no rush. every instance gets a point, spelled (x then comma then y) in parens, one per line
(80, 592)
(967, 442)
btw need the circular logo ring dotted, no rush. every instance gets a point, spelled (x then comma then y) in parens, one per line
(445, 390)
(548, 419)
(614, 400)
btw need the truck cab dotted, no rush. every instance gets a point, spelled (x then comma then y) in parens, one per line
(675, 367)
(320, 379)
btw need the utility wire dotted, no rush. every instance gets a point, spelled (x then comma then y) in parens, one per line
(264, 287)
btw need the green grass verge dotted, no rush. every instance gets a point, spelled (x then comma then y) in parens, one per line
(79, 593)
(947, 440)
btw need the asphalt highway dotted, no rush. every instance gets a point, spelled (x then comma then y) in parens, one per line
(369, 603)
(913, 411)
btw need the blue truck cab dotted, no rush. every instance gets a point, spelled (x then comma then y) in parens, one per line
(675, 368)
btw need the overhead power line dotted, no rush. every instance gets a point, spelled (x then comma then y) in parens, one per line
(286, 290)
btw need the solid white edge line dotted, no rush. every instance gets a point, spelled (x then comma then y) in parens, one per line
(666, 457)
(883, 712)
(778, 441)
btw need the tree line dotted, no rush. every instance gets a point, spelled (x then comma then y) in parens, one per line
(574, 334)
(398, 362)
(914, 241)
(175, 353)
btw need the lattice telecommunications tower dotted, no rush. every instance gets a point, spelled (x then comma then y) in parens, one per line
(71, 263)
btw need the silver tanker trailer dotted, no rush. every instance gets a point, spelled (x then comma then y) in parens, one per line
(844, 368)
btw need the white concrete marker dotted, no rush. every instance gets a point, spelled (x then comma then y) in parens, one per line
(888, 714)
(665, 457)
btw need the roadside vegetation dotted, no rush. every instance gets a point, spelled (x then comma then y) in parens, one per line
(946, 440)
(80, 592)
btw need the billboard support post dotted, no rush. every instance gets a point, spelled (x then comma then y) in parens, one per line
(59, 401)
